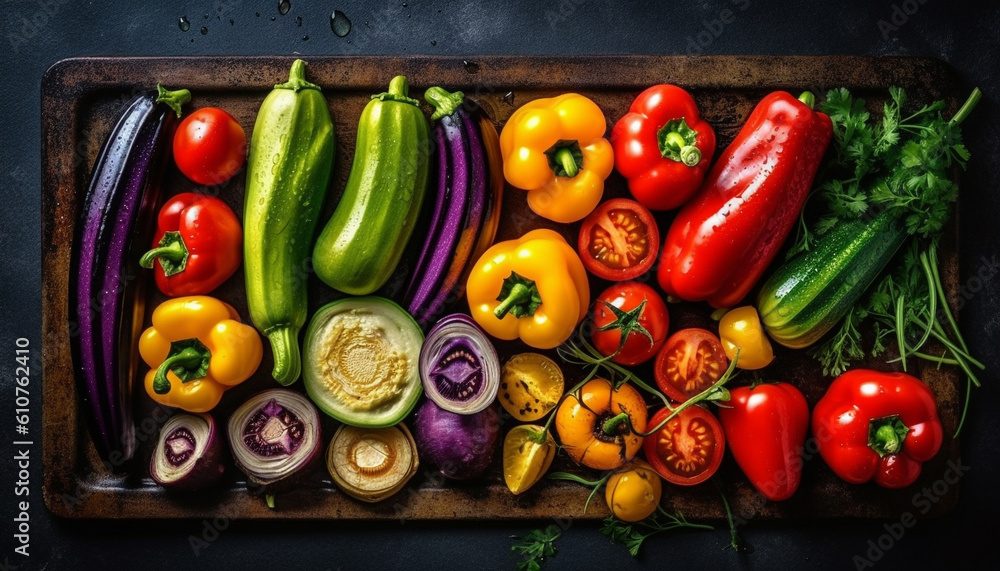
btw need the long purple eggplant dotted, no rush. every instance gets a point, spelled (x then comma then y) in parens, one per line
(462, 208)
(106, 290)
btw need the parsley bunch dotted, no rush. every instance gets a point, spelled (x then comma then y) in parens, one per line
(900, 166)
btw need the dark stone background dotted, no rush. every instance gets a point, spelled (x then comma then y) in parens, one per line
(38, 34)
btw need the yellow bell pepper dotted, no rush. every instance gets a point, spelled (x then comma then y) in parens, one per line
(534, 288)
(555, 149)
(197, 348)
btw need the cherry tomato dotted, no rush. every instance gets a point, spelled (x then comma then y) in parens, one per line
(530, 386)
(740, 328)
(619, 240)
(633, 491)
(599, 425)
(209, 146)
(690, 361)
(689, 447)
(632, 311)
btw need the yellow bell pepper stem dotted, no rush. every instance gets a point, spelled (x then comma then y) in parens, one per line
(188, 361)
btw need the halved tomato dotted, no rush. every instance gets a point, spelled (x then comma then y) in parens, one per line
(688, 449)
(619, 240)
(690, 361)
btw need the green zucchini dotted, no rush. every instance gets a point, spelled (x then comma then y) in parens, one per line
(814, 290)
(362, 243)
(288, 172)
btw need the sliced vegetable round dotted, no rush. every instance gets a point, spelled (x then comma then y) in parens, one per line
(690, 361)
(528, 451)
(188, 454)
(372, 464)
(633, 491)
(459, 365)
(530, 386)
(619, 240)
(689, 447)
(741, 329)
(361, 361)
(274, 436)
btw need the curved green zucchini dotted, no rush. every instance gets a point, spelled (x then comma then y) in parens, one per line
(362, 243)
(814, 290)
(288, 172)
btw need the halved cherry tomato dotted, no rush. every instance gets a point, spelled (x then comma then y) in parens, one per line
(619, 240)
(530, 386)
(690, 361)
(689, 447)
(740, 328)
(209, 146)
(631, 323)
(633, 491)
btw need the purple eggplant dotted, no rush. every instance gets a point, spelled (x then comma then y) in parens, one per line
(106, 296)
(459, 366)
(188, 454)
(463, 221)
(461, 446)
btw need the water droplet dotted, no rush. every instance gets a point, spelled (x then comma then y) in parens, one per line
(274, 18)
(471, 66)
(298, 21)
(508, 98)
(184, 24)
(204, 30)
(434, 42)
(404, 4)
(340, 24)
(305, 38)
(232, 22)
(257, 14)
(284, 6)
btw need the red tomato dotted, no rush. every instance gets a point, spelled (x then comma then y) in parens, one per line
(209, 146)
(632, 311)
(689, 447)
(690, 361)
(619, 240)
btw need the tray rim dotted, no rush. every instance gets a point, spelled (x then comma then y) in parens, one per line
(61, 100)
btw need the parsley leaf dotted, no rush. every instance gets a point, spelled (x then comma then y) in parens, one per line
(535, 546)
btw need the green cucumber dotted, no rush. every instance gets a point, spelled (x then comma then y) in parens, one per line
(814, 290)
(288, 172)
(364, 240)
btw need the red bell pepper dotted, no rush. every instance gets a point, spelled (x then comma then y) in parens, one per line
(766, 429)
(877, 426)
(198, 243)
(662, 147)
(724, 238)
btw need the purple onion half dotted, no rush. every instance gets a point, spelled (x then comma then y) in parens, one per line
(461, 446)
(459, 366)
(188, 453)
(275, 437)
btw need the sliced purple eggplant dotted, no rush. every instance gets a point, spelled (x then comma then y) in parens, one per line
(188, 454)
(459, 366)
(464, 208)
(461, 446)
(106, 297)
(275, 438)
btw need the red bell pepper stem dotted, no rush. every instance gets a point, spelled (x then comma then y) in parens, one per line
(172, 249)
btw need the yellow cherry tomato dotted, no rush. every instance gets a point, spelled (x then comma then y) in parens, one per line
(740, 328)
(530, 386)
(633, 491)
(527, 455)
(599, 426)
